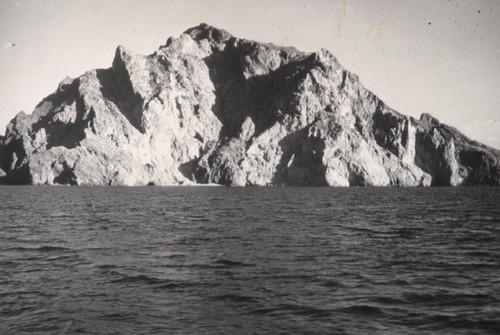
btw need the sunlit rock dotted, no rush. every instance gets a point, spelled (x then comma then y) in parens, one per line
(208, 108)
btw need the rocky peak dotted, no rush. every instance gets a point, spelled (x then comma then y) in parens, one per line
(208, 107)
(428, 120)
(207, 32)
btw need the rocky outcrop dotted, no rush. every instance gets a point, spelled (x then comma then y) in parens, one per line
(208, 107)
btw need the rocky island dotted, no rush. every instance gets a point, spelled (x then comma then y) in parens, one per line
(210, 108)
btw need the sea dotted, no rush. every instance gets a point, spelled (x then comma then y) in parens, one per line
(223, 260)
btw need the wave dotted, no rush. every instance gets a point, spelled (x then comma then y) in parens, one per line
(168, 255)
(106, 266)
(304, 277)
(450, 299)
(47, 248)
(65, 256)
(50, 248)
(479, 253)
(362, 310)
(61, 215)
(235, 297)
(461, 322)
(230, 264)
(389, 300)
(331, 283)
(298, 310)
(477, 237)
(224, 264)
(139, 279)
(114, 316)
(36, 293)
(157, 283)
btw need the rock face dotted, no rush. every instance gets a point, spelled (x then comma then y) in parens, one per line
(211, 108)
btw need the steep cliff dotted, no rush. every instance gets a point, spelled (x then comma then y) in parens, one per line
(208, 107)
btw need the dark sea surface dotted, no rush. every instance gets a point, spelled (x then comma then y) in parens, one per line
(219, 260)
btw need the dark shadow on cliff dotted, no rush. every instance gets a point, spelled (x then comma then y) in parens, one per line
(67, 176)
(476, 162)
(13, 163)
(263, 98)
(117, 88)
(302, 161)
(59, 133)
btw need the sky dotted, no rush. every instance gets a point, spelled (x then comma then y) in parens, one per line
(419, 56)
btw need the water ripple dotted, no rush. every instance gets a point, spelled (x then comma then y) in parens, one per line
(249, 261)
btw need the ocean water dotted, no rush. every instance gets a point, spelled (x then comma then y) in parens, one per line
(220, 260)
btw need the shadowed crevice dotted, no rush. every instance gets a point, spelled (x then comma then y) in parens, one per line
(263, 98)
(68, 133)
(67, 176)
(117, 88)
(302, 161)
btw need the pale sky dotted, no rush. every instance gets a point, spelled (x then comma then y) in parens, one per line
(434, 56)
